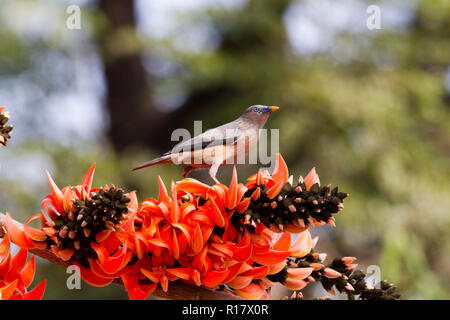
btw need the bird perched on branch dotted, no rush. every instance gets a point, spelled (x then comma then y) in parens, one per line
(227, 144)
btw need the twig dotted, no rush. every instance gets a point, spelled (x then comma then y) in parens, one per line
(177, 290)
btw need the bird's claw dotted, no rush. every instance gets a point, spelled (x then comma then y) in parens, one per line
(214, 178)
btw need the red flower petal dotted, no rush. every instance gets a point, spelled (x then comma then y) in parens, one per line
(175, 246)
(113, 263)
(302, 245)
(243, 205)
(98, 271)
(37, 293)
(163, 195)
(19, 260)
(253, 291)
(275, 268)
(256, 272)
(175, 213)
(284, 242)
(160, 243)
(68, 199)
(234, 269)
(101, 252)
(185, 229)
(86, 183)
(226, 249)
(214, 278)
(240, 282)
(260, 249)
(242, 253)
(311, 178)
(65, 254)
(193, 186)
(140, 245)
(136, 291)
(218, 217)
(102, 235)
(27, 273)
(180, 273)
(299, 273)
(91, 278)
(270, 257)
(34, 234)
(295, 284)
(7, 291)
(16, 234)
(275, 189)
(56, 193)
(164, 282)
(151, 275)
(197, 239)
(280, 172)
(231, 197)
(5, 245)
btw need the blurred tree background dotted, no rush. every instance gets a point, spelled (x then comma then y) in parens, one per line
(369, 108)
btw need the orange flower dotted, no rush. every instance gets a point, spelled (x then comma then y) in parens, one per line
(311, 178)
(176, 229)
(254, 291)
(275, 182)
(84, 225)
(16, 275)
(295, 276)
(211, 236)
(282, 206)
(269, 257)
(176, 234)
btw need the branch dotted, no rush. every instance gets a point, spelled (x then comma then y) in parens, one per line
(178, 290)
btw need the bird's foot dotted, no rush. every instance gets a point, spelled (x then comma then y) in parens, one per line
(213, 172)
(215, 179)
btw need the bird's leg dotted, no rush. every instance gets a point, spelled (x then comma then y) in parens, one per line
(213, 172)
(186, 171)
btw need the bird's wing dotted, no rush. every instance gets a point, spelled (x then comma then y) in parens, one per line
(223, 135)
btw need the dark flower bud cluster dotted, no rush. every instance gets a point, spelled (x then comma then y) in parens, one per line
(341, 275)
(5, 129)
(90, 221)
(297, 206)
(387, 291)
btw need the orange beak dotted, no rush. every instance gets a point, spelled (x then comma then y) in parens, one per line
(272, 109)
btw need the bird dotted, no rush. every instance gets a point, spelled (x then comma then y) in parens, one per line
(218, 146)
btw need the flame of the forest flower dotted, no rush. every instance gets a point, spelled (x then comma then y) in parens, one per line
(79, 223)
(16, 275)
(231, 237)
(312, 178)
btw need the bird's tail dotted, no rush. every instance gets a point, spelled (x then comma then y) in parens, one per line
(159, 160)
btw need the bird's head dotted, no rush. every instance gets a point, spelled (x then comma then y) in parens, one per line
(258, 114)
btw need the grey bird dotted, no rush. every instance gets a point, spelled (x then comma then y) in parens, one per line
(218, 146)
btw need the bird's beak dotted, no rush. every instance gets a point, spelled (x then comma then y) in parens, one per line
(272, 109)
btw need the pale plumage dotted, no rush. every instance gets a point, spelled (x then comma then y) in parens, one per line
(222, 145)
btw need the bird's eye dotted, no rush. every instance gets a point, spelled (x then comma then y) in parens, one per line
(255, 109)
